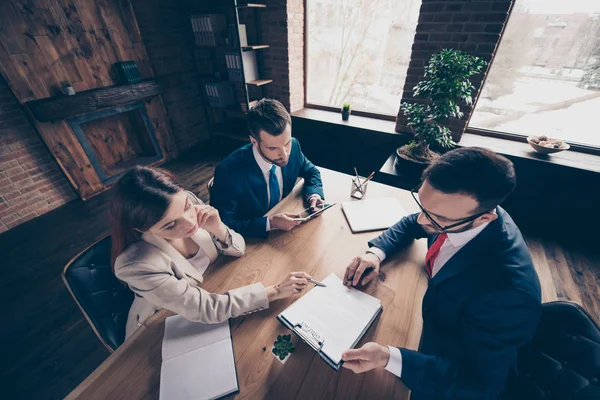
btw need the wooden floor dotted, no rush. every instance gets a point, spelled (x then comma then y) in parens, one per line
(48, 347)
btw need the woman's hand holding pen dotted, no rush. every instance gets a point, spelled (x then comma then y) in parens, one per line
(293, 284)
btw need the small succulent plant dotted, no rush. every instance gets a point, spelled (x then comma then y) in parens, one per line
(346, 107)
(283, 346)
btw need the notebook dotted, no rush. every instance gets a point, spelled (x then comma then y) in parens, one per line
(373, 214)
(331, 319)
(197, 361)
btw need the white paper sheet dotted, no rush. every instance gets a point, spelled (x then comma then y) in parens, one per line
(337, 314)
(198, 361)
(373, 214)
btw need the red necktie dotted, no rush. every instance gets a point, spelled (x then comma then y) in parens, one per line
(433, 252)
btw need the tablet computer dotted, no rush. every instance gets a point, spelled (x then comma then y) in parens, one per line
(308, 214)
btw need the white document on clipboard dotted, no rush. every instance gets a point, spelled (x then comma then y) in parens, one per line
(331, 319)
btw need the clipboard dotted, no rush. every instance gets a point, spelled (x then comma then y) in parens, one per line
(314, 340)
(325, 338)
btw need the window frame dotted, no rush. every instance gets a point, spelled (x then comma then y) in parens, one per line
(574, 146)
(330, 108)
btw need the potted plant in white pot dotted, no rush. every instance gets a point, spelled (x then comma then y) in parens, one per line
(445, 84)
(66, 88)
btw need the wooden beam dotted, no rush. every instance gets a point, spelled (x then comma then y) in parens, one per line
(64, 107)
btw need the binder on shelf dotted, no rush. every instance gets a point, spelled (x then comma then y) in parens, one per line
(210, 30)
(219, 94)
(128, 72)
(234, 66)
(331, 319)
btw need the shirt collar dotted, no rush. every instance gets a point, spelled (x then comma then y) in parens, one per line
(263, 164)
(459, 239)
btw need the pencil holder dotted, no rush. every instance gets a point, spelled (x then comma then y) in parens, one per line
(359, 187)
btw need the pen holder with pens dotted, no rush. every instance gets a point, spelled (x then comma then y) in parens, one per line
(359, 187)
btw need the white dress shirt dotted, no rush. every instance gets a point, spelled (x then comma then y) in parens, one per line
(265, 166)
(200, 261)
(451, 246)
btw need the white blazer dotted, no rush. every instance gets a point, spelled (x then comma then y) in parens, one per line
(161, 277)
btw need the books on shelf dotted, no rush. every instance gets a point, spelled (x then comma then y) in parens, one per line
(209, 29)
(219, 94)
(242, 68)
(128, 72)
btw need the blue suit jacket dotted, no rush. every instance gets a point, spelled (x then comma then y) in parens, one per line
(240, 190)
(478, 310)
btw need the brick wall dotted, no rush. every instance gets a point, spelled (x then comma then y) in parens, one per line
(472, 26)
(31, 182)
(283, 28)
(165, 30)
(295, 20)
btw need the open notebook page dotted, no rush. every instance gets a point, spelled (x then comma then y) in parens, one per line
(337, 314)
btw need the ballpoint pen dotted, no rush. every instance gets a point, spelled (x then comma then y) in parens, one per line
(317, 283)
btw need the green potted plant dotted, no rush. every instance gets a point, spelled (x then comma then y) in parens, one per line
(283, 347)
(445, 84)
(66, 88)
(346, 111)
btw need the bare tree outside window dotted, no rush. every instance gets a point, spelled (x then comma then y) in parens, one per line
(359, 51)
(545, 77)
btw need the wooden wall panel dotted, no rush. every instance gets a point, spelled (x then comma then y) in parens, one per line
(44, 42)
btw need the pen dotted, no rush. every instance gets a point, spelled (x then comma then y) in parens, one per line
(317, 283)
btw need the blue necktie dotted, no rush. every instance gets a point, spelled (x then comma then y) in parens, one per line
(274, 189)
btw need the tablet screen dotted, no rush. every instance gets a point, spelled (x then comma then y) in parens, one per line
(308, 213)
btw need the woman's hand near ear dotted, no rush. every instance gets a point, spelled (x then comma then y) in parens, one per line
(210, 221)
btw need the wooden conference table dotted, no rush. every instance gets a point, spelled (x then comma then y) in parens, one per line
(319, 247)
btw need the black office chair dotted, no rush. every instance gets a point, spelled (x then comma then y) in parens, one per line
(102, 298)
(563, 360)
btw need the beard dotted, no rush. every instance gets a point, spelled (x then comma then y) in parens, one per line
(280, 162)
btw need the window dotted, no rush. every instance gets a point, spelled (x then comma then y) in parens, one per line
(358, 52)
(545, 77)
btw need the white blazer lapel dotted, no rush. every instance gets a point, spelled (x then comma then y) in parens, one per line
(176, 256)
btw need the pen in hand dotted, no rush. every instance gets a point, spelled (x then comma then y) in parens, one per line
(317, 283)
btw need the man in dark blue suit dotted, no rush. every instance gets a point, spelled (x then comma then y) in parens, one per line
(483, 300)
(254, 178)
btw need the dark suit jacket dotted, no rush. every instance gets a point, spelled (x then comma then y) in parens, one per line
(240, 190)
(478, 310)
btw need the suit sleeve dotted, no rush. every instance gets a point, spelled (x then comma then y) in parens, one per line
(195, 304)
(224, 197)
(399, 236)
(311, 175)
(234, 246)
(492, 330)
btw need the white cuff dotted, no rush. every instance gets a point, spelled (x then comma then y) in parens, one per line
(313, 195)
(378, 252)
(268, 225)
(394, 365)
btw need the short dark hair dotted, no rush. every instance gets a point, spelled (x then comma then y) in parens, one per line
(480, 173)
(270, 116)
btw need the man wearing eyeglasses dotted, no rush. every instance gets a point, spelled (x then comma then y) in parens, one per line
(483, 299)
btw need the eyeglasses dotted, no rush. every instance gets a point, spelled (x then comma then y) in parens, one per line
(438, 226)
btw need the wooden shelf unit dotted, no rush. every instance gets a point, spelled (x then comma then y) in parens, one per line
(256, 47)
(259, 82)
(252, 5)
